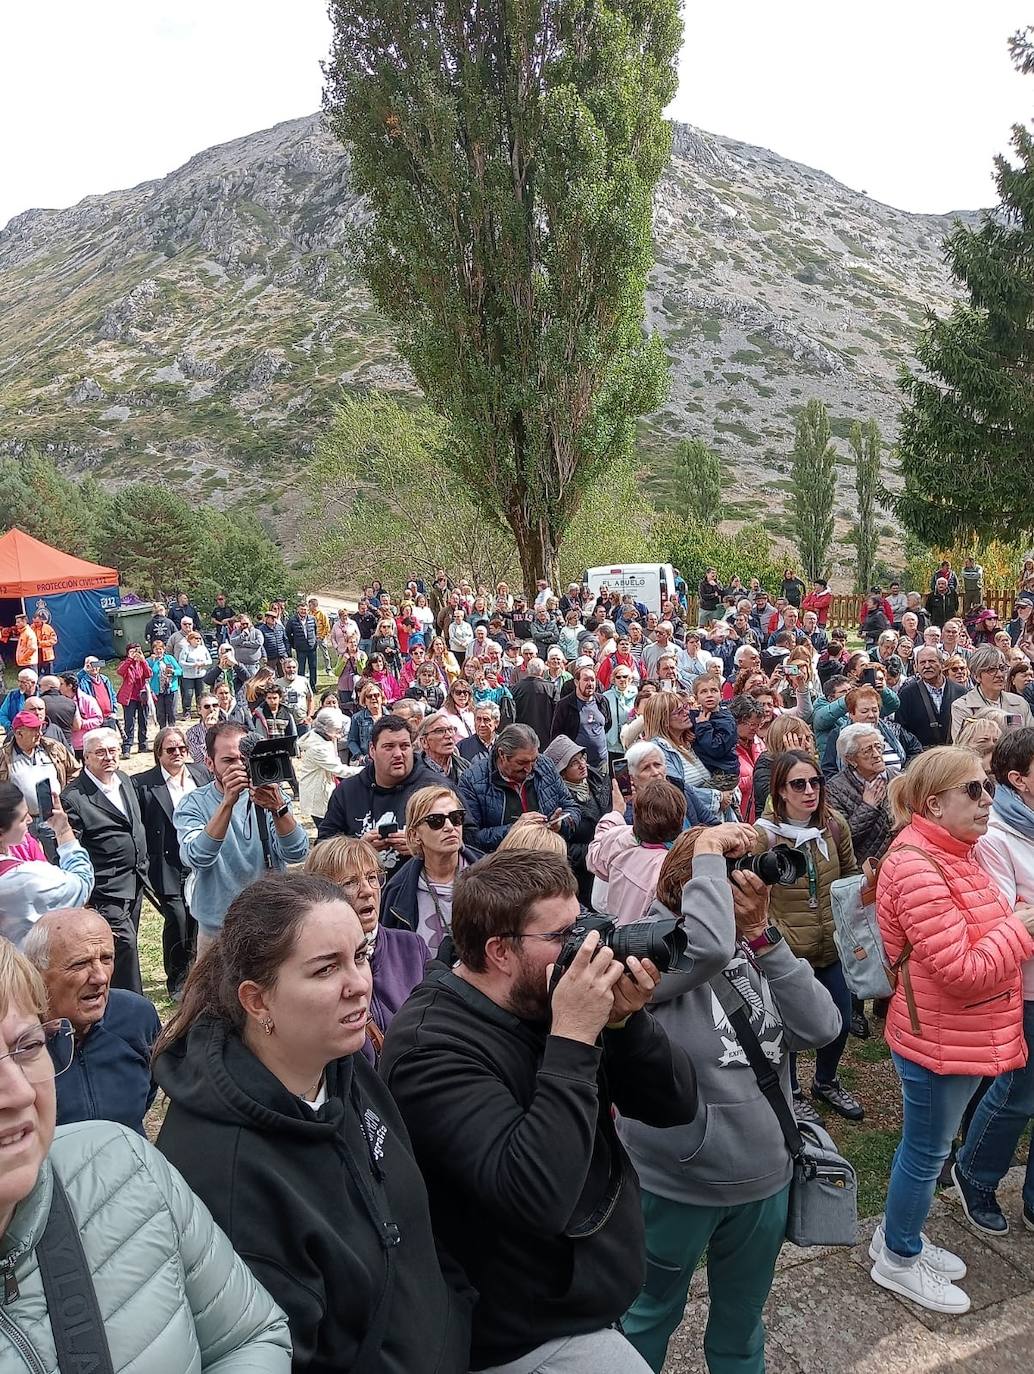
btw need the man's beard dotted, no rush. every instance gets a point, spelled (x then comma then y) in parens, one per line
(529, 998)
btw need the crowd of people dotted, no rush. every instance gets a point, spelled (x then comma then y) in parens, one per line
(419, 1119)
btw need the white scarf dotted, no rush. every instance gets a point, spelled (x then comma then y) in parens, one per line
(796, 834)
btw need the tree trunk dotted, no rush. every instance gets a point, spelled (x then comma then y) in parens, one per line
(537, 550)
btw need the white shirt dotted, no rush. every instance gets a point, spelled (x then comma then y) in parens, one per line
(179, 790)
(112, 790)
(29, 769)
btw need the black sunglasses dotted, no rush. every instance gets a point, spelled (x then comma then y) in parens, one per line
(437, 822)
(974, 789)
(799, 784)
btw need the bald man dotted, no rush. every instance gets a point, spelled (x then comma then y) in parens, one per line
(110, 1075)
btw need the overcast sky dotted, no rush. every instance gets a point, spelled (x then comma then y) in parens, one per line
(905, 99)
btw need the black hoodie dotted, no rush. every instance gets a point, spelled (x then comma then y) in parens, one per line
(530, 1188)
(357, 804)
(318, 1204)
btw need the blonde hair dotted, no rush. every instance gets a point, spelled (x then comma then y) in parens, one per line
(783, 726)
(657, 713)
(419, 806)
(341, 857)
(986, 728)
(525, 834)
(935, 770)
(20, 983)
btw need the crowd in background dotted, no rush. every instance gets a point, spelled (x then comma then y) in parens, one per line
(439, 1137)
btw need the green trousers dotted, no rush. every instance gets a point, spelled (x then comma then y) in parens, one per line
(742, 1244)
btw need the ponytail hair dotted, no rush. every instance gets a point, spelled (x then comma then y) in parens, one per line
(257, 937)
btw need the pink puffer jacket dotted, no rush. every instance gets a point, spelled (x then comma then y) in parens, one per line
(967, 951)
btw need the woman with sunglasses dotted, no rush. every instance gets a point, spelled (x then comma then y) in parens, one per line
(371, 708)
(957, 1010)
(418, 896)
(458, 706)
(987, 670)
(397, 956)
(797, 815)
(210, 714)
(135, 1240)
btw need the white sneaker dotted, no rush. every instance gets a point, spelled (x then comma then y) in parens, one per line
(920, 1283)
(951, 1266)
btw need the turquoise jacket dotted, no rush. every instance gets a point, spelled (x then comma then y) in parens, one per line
(829, 717)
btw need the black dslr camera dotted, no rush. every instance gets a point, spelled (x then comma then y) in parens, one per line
(779, 865)
(268, 760)
(662, 941)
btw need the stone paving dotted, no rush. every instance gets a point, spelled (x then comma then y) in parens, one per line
(825, 1313)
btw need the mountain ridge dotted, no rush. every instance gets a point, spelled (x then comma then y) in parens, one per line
(199, 326)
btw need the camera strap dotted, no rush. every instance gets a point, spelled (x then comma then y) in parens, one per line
(765, 1072)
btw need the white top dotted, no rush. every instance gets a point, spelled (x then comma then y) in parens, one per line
(179, 790)
(321, 1097)
(29, 769)
(112, 790)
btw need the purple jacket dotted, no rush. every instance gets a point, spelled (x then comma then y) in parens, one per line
(399, 957)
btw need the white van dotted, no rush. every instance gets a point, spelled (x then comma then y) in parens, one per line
(650, 583)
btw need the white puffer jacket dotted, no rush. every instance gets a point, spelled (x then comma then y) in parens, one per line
(174, 1297)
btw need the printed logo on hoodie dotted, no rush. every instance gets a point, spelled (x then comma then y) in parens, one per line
(764, 1019)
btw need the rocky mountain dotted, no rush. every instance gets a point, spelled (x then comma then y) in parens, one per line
(198, 328)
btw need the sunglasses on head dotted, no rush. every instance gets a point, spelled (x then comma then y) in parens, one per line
(802, 784)
(974, 789)
(455, 818)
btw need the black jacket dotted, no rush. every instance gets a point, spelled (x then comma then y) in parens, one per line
(595, 805)
(399, 897)
(471, 748)
(357, 803)
(566, 720)
(165, 868)
(534, 700)
(915, 705)
(116, 843)
(312, 1200)
(513, 1133)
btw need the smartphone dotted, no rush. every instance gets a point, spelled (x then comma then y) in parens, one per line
(45, 799)
(387, 828)
(793, 670)
(622, 778)
(1013, 719)
(869, 677)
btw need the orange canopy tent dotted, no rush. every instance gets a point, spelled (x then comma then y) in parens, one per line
(31, 568)
(73, 595)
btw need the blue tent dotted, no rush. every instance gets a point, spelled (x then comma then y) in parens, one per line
(70, 593)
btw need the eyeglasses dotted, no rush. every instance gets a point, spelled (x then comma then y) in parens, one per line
(461, 694)
(802, 784)
(437, 822)
(352, 886)
(974, 789)
(210, 706)
(441, 730)
(175, 749)
(43, 1051)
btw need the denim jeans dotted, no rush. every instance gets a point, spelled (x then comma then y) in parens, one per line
(827, 1059)
(933, 1104)
(135, 716)
(999, 1121)
(191, 689)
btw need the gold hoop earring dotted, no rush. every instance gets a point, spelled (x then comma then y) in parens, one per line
(267, 1025)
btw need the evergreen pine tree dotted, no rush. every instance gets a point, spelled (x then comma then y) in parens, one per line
(866, 443)
(698, 482)
(967, 427)
(813, 473)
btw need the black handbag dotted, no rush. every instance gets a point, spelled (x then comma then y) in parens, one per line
(824, 1189)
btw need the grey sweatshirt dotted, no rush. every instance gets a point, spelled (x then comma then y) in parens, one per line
(733, 1152)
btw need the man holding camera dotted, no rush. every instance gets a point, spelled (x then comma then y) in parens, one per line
(231, 831)
(506, 1083)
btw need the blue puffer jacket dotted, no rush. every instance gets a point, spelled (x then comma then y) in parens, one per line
(483, 792)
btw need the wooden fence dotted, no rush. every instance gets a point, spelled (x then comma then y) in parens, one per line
(844, 609)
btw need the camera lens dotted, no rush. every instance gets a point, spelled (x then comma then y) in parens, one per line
(779, 866)
(663, 942)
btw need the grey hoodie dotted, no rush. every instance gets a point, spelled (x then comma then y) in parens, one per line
(733, 1151)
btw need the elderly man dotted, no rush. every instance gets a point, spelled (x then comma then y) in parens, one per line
(109, 1078)
(105, 815)
(486, 724)
(436, 736)
(534, 700)
(15, 700)
(925, 700)
(61, 707)
(514, 780)
(297, 696)
(250, 646)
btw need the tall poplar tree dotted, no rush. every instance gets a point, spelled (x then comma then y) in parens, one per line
(967, 427)
(698, 482)
(509, 153)
(813, 473)
(866, 444)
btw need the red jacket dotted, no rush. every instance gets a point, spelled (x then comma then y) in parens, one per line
(819, 602)
(136, 677)
(967, 950)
